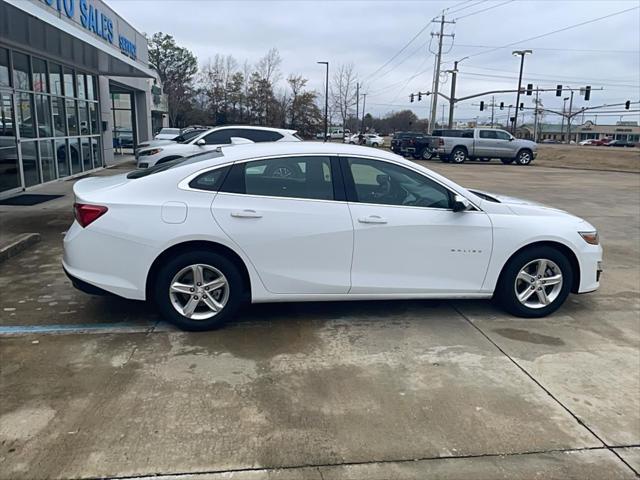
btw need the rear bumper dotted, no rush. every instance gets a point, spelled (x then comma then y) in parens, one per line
(84, 286)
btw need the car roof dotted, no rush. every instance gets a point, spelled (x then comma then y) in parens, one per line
(252, 127)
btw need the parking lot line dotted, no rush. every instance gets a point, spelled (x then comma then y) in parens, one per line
(121, 327)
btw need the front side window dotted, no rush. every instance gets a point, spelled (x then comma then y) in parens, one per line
(219, 137)
(384, 183)
(500, 135)
(292, 177)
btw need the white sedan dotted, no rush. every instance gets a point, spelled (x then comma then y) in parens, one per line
(370, 139)
(317, 221)
(210, 140)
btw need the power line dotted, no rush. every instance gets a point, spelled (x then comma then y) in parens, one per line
(484, 10)
(449, 12)
(556, 31)
(511, 77)
(400, 51)
(552, 76)
(585, 50)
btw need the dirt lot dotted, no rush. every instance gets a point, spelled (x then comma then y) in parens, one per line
(596, 158)
(95, 387)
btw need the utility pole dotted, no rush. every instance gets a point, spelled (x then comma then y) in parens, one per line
(521, 53)
(436, 72)
(452, 103)
(357, 102)
(442, 121)
(509, 114)
(569, 119)
(326, 101)
(535, 117)
(564, 113)
(364, 103)
(493, 106)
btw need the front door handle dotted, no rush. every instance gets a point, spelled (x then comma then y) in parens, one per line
(246, 214)
(372, 219)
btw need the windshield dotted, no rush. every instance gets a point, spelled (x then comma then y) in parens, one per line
(161, 167)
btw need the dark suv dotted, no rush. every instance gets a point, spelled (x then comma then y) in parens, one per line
(397, 140)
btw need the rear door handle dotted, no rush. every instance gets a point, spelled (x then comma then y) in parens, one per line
(246, 214)
(372, 219)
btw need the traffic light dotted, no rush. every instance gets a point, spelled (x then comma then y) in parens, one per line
(521, 106)
(419, 96)
(627, 104)
(481, 106)
(529, 88)
(501, 105)
(411, 98)
(558, 90)
(587, 93)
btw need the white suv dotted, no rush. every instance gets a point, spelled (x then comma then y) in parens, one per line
(212, 139)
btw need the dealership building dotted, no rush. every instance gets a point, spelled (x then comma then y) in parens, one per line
(75, 89)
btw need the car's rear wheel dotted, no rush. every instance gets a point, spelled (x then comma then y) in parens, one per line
(374, 144)
(199, 290)
(427, 154)
(535, 282)
(458, 155)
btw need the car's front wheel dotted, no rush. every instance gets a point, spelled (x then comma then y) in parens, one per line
(199, 290)
(525, 157)
(535, 282)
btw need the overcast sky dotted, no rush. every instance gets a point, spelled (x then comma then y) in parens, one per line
(605, 53)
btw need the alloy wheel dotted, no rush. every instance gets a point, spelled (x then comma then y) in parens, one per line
(538, 283)
(199, 291)
(524, 158)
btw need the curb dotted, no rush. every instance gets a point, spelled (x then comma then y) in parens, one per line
(17, 244)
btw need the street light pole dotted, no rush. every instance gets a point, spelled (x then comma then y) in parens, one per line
(326, 101)
(520, 53)
(564, 113)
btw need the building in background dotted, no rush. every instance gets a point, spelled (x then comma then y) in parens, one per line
(628, 131)
(74, 84)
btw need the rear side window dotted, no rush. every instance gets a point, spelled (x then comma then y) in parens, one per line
(259, 135)
(210, 180)
(292, 177)
(219, 137)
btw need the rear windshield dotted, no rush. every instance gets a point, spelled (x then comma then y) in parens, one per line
(161, 167)
(173, 131)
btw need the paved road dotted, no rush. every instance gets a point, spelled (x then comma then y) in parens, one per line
(371, 390)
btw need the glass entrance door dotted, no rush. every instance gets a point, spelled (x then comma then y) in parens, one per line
(9, 163)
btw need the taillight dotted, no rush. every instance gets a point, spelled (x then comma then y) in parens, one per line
(87, 214)
(440, 142)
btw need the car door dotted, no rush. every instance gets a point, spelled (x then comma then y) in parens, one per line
(290, 217)
(506, 146)
(486, 144)
(407, 238)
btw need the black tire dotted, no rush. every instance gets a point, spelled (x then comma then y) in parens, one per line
(426, 154)
(507, 161)
(505, 292)
(162, 296)
(374, 144)
(525, 157)
(458, 155)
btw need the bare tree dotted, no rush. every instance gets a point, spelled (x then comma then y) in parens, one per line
(343, 91)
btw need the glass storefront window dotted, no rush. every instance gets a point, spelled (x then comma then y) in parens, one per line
(91, 87)
(59, 118)
(47, 160)
(25, 115)
(69, 84)
(30, 168)
(10, 168)
(97, 153)
(86, 153)
(39, 75)
(43, 112)
(21, 71)
(72, 119)
(83, 118)
(74, 151)
(62, 158)
(55, 78)
(93, 117)
(4, 68)
(121, 100)
(81, 90)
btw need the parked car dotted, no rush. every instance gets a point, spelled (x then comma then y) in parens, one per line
(212, 139)
(602, 141)
(550, 140)
(421, 146)
(167, 134)
(202, 236)
(620, 143)
(486, 143)
(369, 139)
(184, 137)
(590, 141)
(123, 137)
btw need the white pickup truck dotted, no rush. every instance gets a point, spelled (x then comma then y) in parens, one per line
(458, 145)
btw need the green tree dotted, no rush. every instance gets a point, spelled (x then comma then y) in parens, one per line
(176, 67)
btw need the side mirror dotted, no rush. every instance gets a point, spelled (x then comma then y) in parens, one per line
(201, 142)
(511, 139)
(460, 204)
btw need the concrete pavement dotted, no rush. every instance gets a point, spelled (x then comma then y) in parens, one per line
(371, 390)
